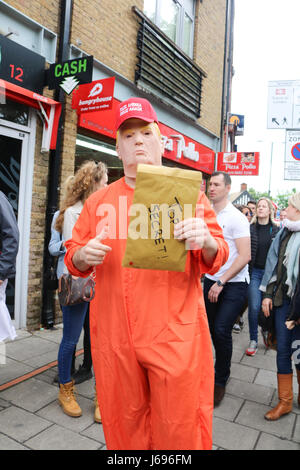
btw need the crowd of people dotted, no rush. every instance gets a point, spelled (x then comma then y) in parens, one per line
(148, 334)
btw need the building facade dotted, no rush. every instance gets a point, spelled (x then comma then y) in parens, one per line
(174, 53)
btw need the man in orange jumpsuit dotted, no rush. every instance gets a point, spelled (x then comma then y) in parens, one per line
(151, 346)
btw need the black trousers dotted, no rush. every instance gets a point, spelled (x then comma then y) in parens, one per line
(221, 318)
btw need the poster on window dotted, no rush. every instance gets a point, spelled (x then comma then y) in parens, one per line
(238, 163)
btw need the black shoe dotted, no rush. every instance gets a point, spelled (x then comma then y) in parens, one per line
(219, 393)
(82, 374)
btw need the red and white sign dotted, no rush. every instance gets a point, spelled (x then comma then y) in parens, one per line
(186, 151)
(239, 163)
(94, 96)
(178, 147)
(49, 108)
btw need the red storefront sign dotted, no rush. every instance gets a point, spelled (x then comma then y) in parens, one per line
(239, 163)
(178, 147)
(186, 151)
(94, 96)
(49, 108)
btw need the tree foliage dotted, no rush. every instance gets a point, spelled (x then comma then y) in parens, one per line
(281, 200)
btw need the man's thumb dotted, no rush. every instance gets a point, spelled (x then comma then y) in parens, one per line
(103, 234)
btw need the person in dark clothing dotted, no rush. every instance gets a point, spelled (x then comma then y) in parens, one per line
(262, 232)
(9, 244)
(279, 286)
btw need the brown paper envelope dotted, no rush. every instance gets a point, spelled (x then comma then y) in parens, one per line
(163, 196)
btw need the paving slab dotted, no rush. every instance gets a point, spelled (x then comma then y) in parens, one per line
(241, 372)
(59, 438)
(53, 413)
(29, 348)
(250, 391)
(6, 443)
(232, 436)
(269, 442)
(252, 416)
(228, 408)
(12, 369)
(95, 432)
(31, 395)
(296, 435)
(260, 361)
(20, 424)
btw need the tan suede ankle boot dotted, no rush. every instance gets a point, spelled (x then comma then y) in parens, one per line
(285, 395)
(68, 401)
(97, 415)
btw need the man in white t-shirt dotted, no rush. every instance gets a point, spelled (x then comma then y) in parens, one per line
(226, 291)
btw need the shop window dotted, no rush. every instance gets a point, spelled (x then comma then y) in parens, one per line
(23, 30)
(88, 148)
(175, 18)
(14, 112)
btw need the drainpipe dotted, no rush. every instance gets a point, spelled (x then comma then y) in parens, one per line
(47, 317)
(227, 70)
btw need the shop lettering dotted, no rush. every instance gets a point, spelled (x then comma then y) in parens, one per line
(188, 151)
(240, 166)
(70, 68)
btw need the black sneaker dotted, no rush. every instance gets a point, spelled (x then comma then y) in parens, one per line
(265, 337)
(82, 374)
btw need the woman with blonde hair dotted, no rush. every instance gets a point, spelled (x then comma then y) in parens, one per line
(262, 231)
(90, 177)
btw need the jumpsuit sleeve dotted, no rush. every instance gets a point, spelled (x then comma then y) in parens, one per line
(205, 211)
(81, 234)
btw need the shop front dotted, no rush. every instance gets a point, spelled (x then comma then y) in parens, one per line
(21, 82)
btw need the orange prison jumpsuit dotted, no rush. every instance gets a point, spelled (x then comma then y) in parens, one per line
(150, 341)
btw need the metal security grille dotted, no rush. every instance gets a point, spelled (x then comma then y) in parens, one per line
(162, 67)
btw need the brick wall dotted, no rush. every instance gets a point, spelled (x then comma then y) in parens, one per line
(209, 55)
(109, 33)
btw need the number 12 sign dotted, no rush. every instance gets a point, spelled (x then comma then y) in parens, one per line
(21, 66)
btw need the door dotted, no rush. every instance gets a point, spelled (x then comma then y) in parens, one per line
(13, 175)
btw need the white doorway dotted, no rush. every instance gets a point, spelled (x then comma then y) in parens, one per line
(16, 176)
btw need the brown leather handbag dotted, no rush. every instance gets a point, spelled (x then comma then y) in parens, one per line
(72, 290)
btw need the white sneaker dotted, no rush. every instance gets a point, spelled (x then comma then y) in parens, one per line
(236, 328)
(251, 351)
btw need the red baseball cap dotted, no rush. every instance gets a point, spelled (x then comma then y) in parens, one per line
(135, 108)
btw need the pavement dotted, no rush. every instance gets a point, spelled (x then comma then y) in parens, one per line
(30, 417)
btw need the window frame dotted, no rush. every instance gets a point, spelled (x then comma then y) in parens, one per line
(180, 23)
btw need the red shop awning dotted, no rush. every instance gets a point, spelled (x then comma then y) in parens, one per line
(49, 109)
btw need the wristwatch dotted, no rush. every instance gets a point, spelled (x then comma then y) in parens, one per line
(220, 283)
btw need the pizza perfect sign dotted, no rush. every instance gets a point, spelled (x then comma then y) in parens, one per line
(95, 96)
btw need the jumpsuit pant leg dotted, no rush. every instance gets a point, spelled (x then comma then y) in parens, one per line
(158, 401)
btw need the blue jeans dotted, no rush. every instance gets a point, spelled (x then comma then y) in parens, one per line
(254, 301)
(288, 341)
(73, 319)
(221, 318)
